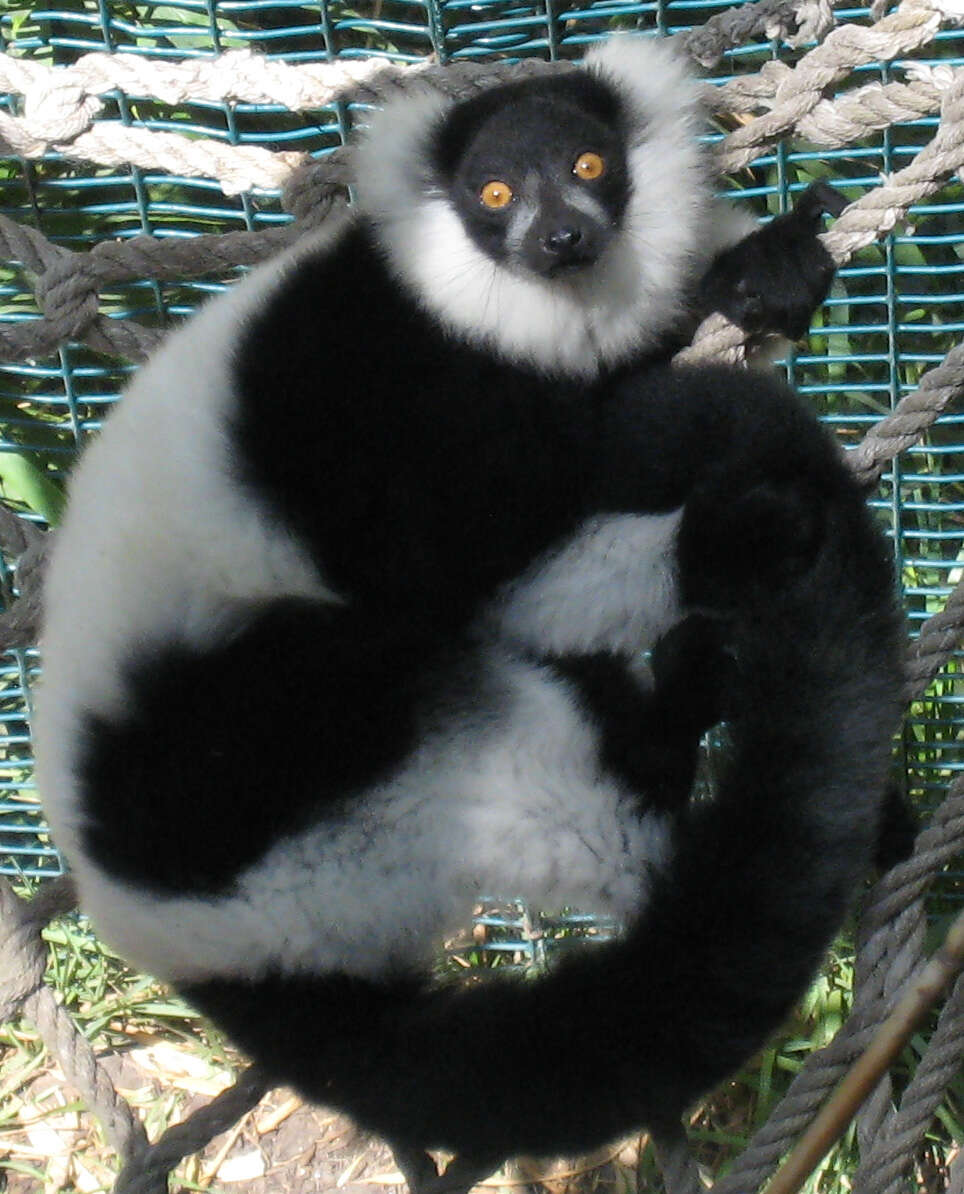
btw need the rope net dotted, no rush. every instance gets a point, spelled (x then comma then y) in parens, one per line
(148, 163)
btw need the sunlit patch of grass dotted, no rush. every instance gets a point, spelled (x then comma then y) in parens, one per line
(160, 1054)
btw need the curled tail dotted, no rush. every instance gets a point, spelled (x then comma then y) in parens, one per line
(785, 553)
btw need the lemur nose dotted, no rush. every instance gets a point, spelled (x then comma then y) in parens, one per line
(562, 240)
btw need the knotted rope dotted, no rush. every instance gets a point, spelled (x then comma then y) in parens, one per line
(791, 99)
(60, 110)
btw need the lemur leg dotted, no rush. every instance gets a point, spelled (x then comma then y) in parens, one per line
(897, 830)
(415, 1165)
(461, 1174)
(651, 733)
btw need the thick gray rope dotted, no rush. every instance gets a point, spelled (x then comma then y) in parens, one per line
(25, 543)
(894, 915)
(146, 1172)
(23, 951)
(891, 1151)
(864, 221)
(67, 283)
(311, 191)
(23, 955)
(792, 22)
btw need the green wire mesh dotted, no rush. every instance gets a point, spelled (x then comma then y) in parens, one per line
(894, 311)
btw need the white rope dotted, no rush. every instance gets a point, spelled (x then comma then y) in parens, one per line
(237, 168)
(797, 91)
(60, 104)
(236, 76)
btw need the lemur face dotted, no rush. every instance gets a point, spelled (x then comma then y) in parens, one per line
(538, 174)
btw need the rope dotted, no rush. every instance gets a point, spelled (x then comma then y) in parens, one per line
(910, 418)
(60, 111)
(833, 123)
(22, 990)
(20, 622)
(61, 104)
(146, 1172)
(791, 22)
(23, 951)
(913, 24)
(884, 1164)
(237, 168)
(939, 638)
(68, 282)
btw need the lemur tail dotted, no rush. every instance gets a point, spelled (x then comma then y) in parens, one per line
(761, 876)
(784, 551)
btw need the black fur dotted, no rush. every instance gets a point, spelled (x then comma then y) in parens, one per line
(650, 736)
(421, 484)
(247, 720)
(436, 472)
(774, 279)
(430, 497)
(563, 117)
(644, 1031)
(633, 1031)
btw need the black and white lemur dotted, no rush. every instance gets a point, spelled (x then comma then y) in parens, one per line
(348, 617)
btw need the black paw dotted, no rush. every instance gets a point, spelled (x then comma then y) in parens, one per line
(773, 280)
(461, 1174)
(695, 671)
(416, 1167)
(897, 830)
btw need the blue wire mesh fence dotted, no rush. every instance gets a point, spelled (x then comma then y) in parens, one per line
(894, 311)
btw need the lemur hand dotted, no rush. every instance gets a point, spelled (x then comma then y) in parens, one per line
(773, 280)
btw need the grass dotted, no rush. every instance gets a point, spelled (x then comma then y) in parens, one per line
(167, 1061)
(157, 1050)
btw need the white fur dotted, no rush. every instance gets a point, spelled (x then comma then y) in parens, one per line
(612, 586)
(512, 802)
(578, 324)
(158, 543)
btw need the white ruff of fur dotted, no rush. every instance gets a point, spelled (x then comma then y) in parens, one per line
(581, 323)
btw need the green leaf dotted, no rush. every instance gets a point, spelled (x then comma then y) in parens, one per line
(21, 481)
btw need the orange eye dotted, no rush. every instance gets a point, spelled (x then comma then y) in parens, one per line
(496, 194)
(588, 166)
